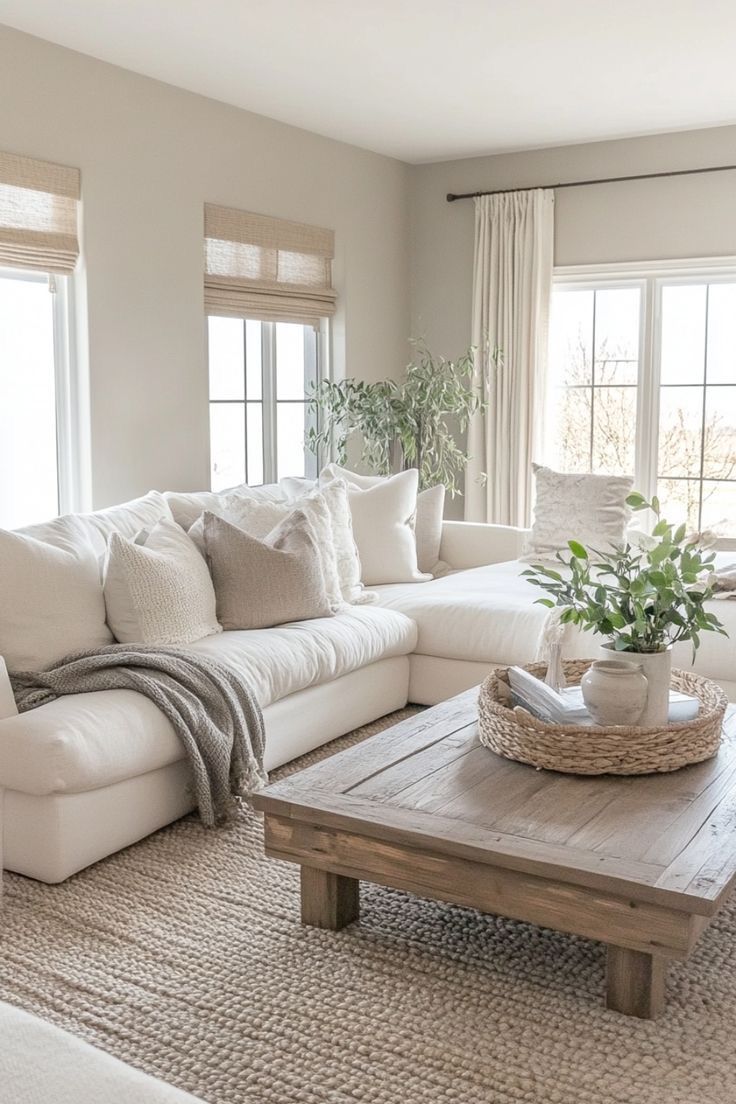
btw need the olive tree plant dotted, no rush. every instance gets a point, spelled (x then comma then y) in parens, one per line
(406, 424)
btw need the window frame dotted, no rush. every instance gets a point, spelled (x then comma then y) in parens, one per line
(269, 400)
(69, 437)
(651, 277)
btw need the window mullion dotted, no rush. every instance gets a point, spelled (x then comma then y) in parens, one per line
(704, 407)
(67, 428)
(311, 414)
(268, 342)
(648, 399)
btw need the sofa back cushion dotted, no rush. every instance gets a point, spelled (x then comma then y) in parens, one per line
(186, 508)
(51, 600)
(127, 519)
(158, 589)
(260, 583)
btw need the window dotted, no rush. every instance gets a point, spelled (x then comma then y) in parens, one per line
(39, 247)
(260, 374)
(35, 480)
(268, 294)
(643, 380)
(696, 457)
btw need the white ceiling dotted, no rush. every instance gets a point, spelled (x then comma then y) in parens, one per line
(424, 80)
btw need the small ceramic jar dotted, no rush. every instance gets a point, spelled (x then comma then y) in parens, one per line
(614, 692)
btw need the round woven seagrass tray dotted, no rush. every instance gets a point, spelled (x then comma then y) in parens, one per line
(575, 749)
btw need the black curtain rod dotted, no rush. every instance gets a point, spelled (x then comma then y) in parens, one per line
(452, 196)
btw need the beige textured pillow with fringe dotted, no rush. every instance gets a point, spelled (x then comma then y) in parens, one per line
(260, 583)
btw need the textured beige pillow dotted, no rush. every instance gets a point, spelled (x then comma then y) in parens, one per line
(260, 583)
(587, 508)
(159, 591)
(260, 517)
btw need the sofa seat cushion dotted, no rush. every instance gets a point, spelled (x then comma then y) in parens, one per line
(485, 614)
(286, 658)
(488, 615)
(84, 741)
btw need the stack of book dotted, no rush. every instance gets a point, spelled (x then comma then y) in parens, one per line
(566, 707)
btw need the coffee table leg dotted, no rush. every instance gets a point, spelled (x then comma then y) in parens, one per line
(328, 900)
(635, 983)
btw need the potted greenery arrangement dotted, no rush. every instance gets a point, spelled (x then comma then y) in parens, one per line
(408, 424)
(644, 596)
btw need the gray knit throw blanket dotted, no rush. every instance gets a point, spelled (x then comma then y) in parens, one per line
(214, 714)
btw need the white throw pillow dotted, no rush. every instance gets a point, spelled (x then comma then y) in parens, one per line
(430, 509)
(259, 518)
(159, 592)
(382, 517)
(587, 508)
(51, 601)
(428, 530)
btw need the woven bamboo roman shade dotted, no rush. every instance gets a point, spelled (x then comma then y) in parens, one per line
(266, 268)
(38, 214)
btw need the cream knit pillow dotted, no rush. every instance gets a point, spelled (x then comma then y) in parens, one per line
(335, 491)
(260, 583)
(159, 591)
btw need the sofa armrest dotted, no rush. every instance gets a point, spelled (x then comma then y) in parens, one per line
(473, 544)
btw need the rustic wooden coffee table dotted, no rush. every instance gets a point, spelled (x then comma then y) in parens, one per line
(641, 864)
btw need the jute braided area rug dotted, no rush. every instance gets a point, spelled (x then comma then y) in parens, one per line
(184, 956)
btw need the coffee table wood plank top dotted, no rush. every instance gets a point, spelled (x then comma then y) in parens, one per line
(638, 863)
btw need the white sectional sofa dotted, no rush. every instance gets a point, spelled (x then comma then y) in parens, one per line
(41, 1064)
(86, 775)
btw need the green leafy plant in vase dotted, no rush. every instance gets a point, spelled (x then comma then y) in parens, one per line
(410, 423)
(644, 596)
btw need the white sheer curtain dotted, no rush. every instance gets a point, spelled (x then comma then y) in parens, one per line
(514, 246)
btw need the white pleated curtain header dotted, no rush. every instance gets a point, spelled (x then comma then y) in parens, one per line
(267, 268)
(39, 205)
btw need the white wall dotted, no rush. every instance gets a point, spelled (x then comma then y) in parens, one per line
(150, 156)
(674, 218)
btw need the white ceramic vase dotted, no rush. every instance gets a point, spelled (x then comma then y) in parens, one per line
(657, 669)
(614, 692)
